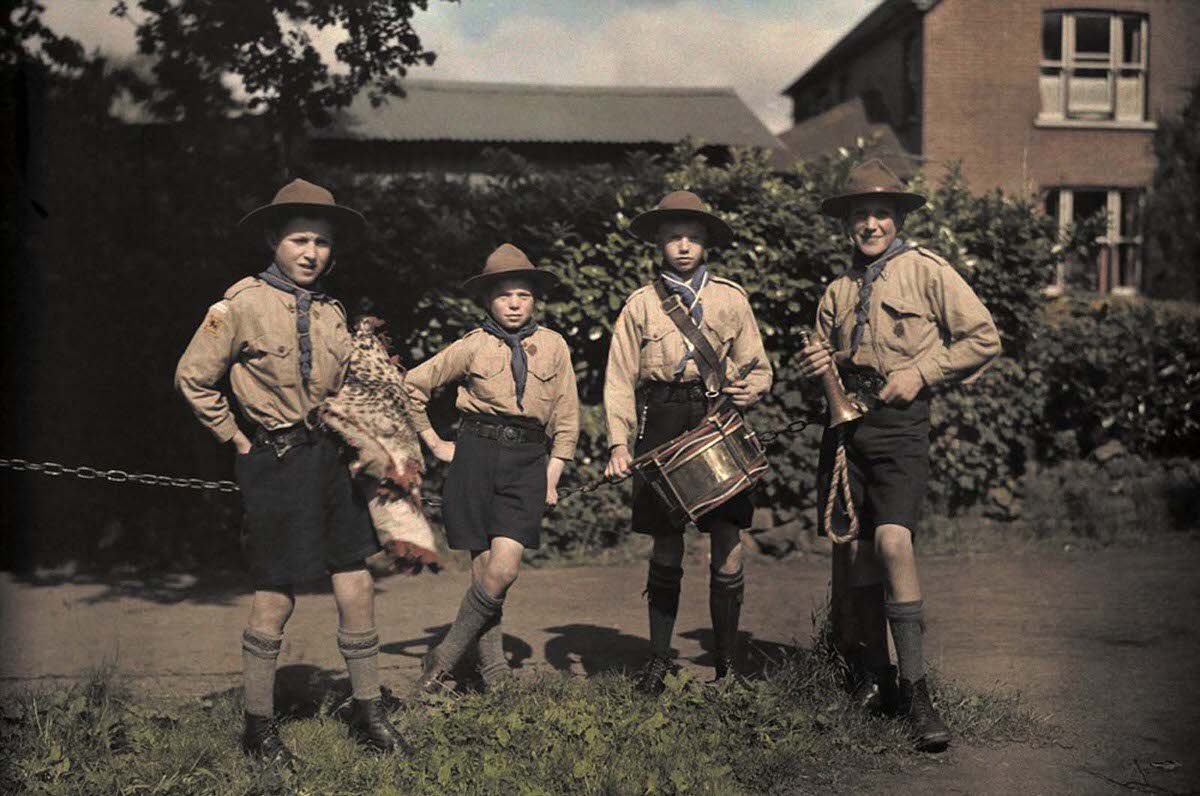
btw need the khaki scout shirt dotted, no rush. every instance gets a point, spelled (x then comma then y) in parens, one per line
(483, 364)
(647, 346)
(922, 315)
(251, 333)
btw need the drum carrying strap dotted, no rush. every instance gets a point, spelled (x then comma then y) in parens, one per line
(711, 365)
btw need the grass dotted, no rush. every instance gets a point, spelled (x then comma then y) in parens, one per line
(790, 731)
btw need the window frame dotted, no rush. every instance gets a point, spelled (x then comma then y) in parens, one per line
(1112, 241)
(1116, 67)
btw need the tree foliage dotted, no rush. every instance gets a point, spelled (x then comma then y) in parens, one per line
(1173, 207)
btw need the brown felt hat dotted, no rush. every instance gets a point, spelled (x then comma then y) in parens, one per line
(681, 206)
(303, 198)
(509, 262)
(871, 178)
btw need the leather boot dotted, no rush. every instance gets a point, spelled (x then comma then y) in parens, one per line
(260, 739)
(369, 724)
(925, 726)
(432, 675)
(874, 689)
(724, 667)
(650, 680)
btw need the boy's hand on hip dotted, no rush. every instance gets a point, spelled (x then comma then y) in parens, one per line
(902, 387)
(443, 451)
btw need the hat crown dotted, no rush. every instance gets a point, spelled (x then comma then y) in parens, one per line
(682, 200)
(303, 192)
(873, 176)
(507, 257)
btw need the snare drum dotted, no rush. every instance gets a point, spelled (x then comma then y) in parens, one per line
(704, 467)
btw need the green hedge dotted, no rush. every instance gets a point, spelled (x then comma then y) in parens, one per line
(1049, 386)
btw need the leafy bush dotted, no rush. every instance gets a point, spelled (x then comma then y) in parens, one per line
(1120, 369)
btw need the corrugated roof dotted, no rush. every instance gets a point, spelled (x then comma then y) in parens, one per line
(513, 112)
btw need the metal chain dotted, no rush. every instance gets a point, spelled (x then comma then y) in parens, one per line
(799, 424)
(116, 476)
(85, 473)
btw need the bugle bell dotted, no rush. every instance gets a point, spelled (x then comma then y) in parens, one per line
(841, 408)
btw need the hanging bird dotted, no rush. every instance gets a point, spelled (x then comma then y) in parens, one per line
(370, 412)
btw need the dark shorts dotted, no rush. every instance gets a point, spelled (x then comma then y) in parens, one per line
(494, 488)
(887, 453)
(305, 517)
(664, 421)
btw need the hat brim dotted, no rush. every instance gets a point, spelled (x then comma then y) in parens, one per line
(542, 281)
(645, 226)
(838, 206)
(346, 222)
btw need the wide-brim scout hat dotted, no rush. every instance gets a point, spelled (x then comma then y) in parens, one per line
(509, 262)
(681, 206)
(871, 178)
(300, 198)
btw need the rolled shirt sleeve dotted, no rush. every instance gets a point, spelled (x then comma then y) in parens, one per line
(205, 361)
(445, 367)
(620, 381)
(563, 425)
(972, 339)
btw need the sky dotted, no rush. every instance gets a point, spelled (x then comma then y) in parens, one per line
(756, 46)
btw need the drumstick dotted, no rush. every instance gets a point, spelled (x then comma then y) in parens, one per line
(742, 373)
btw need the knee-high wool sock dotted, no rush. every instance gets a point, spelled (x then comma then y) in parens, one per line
(725, 594)
(260, 651)
(662, 588)
(477, 610)
(907, 623)
(492, 663)
(360, 648)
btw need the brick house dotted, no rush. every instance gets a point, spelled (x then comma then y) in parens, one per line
(1054, 98)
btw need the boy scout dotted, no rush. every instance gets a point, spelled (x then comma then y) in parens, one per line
(902, 322)
(649, 353)
(285, 346)
(518, 399)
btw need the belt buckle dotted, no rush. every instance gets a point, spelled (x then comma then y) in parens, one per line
(509, 433)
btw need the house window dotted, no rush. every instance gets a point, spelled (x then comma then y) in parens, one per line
(1118, 266)
(1093, 66)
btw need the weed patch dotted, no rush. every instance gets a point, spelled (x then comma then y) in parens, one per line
(791, 731)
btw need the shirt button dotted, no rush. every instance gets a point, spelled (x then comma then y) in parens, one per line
(282, 349)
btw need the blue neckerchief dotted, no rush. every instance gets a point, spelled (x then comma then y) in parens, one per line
(872, 272)
(688, 291)
(276, 278)
(520, 362)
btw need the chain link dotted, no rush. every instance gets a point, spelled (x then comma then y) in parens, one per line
(117, 476)
(797, 425)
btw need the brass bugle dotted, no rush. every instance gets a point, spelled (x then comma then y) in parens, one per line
(841, 408)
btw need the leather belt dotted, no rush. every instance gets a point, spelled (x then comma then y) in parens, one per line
(513, 435)
(282, 440)
(864, 382)
(674, 392)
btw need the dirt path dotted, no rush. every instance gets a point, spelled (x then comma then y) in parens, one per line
(1107, 644)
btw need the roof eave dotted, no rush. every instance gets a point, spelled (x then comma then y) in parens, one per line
(869, 28)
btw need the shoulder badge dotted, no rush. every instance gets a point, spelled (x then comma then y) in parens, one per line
(242, 284)
(214, 320)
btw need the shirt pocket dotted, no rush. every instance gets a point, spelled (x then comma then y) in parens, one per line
(273, 361)
(539, 387)
(906, 326)
(489, 379)
(656, 341)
